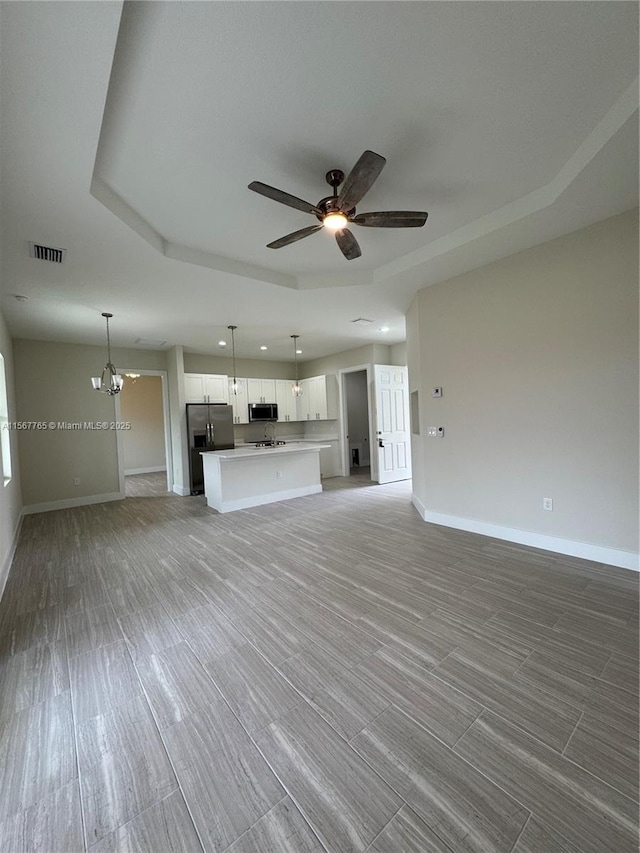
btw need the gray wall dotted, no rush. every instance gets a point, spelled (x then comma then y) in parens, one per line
(538, 358)
(245, 367)
(10, 494)
(255, 367)
(369, 354)
(398, 354)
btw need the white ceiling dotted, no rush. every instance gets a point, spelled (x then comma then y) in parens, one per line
(130, 134)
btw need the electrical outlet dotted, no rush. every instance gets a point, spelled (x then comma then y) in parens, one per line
(432, 431)
(76, 481)
(437, 391)
(278, 475)
(547, 503)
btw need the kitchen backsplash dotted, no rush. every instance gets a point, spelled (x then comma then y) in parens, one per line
(256, 432)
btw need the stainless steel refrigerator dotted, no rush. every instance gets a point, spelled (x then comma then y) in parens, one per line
(209, 427)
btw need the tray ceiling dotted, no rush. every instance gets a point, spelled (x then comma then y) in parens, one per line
(132, 133)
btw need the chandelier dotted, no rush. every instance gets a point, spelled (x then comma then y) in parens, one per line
(296, 388)
(110, 382)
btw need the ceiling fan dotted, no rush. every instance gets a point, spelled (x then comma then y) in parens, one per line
(337, 211)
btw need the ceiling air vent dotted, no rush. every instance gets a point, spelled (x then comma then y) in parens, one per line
(149, 342)
(47, 253)
(362, 321)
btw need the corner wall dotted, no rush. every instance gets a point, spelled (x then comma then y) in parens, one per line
(537, 355)
(10, 495)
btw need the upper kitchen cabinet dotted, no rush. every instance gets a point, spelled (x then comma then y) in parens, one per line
(319, 399)
(261, 390)
(287, 408)
(206, 388)
(239, 401)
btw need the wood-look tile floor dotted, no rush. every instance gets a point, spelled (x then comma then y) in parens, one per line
(151, 485)
(325, 674)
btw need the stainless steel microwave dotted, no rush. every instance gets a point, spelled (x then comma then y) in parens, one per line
(263, 412)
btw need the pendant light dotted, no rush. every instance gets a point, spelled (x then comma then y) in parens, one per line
(296, 388)
(234, 385)
(110, 382)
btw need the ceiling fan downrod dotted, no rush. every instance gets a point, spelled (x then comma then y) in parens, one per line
(334, 178)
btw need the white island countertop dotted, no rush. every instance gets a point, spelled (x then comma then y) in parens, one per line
(249, 476)
(243, 451)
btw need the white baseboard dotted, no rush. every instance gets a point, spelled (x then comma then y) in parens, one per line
(422, 510)
(181, 490)
(8, 560)
(67, 503)
(153, 470)
(570, 547)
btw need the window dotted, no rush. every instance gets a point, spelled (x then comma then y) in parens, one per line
(5, 435)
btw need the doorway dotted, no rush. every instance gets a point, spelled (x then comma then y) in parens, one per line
(375, 436)
(144, 448)
(356, 427)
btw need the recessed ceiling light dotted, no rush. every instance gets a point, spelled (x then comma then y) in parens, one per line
(222, 343)
(298, 352)
(263, 347)
(21, 298)
(383, 329)
(362, 321)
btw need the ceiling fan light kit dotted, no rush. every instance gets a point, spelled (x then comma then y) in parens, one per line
(335, 221)
(337, 211)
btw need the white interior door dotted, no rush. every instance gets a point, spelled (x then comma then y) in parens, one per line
(392, 423)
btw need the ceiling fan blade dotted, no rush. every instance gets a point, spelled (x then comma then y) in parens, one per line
(360, 179)
(391, 219)
(293, 237)
(348, 244)
(283, 198)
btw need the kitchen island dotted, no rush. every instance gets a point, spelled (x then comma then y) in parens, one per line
(250, 476)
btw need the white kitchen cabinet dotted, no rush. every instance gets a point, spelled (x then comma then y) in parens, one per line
(304, 402)
(239, 401)
(287, 409)
(312, 406)
(261, 390)
(206, 388)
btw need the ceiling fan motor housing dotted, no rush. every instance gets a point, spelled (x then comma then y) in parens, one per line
(330, 205)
